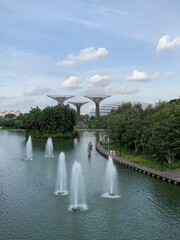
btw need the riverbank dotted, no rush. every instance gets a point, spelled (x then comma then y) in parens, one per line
(171, 176)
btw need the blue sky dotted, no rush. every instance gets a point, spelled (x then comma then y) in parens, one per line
(129, 49)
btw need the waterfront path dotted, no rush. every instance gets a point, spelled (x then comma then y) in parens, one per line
(172, 176)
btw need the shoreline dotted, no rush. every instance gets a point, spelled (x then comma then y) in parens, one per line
(171, 176)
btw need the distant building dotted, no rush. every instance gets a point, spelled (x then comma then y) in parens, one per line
(105, 109)
(15, 112)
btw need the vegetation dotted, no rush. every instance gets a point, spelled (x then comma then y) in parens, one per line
(11, 121)
(97, 123)
(149, 136)
(57, 122)
(153, 132)
(139, 158)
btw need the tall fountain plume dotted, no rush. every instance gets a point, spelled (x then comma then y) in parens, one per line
(61, 186)
(110, 186)
(29, 153)
(49, 148)
(78, 202)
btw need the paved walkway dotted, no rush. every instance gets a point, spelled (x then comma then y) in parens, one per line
(170, 176)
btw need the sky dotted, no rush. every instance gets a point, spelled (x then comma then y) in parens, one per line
(126, 49)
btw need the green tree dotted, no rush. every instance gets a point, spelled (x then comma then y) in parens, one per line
(51, 120)
(166, 131)
(153, 130)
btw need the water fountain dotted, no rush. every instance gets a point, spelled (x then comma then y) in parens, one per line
(61, 186)
(110, 185)
(29, 154)
(49, 148)
(77, 189)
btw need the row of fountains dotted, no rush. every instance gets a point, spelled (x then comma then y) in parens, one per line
(78, 200)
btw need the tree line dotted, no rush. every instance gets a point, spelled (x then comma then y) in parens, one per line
(58, 121)
(154, 130)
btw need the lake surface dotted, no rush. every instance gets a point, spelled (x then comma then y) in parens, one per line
(29, 210)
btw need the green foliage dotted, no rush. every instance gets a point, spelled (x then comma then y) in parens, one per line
(151, 131)
(58, 121)
(98, 123)
(148, 160)
(18, 124)
(11, 121)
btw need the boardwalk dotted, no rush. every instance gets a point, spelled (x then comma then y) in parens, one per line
(172, 176)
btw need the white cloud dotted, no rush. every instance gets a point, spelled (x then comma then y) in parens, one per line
(169, 74)
(110, 91)
(165, 43)
(85, 55)
(32, 91)
(120, 90)
(23, 103)
(95, 91)
(142, 76)
(98, 81)
(73, 82)
(125, 90)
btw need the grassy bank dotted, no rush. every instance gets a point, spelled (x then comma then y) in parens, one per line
(147, 160)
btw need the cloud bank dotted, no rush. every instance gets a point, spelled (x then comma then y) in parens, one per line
(72, 83)
(139, 76)
(125, 90)
(35, 91)
(165, 43)
(98, 80)
(85, 55)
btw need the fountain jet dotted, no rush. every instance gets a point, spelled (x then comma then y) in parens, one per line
(29, 154)
(61, 187)
(49, 148)
(77, 189)
(110, 185)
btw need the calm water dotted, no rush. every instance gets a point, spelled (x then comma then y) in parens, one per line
(29, 209)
